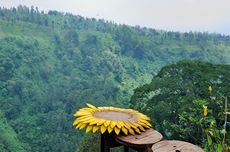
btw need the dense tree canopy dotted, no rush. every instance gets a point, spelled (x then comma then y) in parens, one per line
(53, 63)
(176, 92)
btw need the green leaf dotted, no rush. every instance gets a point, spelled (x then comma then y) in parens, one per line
(210, 132)
(219, 148)
(209, 140)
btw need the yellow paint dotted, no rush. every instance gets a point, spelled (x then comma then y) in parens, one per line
(85, 119)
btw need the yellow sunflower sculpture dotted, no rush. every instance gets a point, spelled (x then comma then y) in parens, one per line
(111, 119)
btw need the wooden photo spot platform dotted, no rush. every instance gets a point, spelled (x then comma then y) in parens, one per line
(115, 115)
(140, 141)
(175, 146)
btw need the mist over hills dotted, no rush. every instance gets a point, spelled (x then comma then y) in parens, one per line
(53, 63)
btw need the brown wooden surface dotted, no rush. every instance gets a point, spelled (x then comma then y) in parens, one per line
(149, 137)
(115, 115)
(175, 146)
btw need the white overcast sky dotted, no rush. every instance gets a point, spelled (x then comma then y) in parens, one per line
(173, 15)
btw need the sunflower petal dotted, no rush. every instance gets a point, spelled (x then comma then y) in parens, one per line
(103, 129)
(88, 128)
(95, 128)
(89, 120)
(124, 130)
(133, 125)
(119, 125)
(113, 124)
(110, 129)
(145, 122)
(87, 110)
(100, 122)
(91, 106)
(144, 117)
(78, 126)
(127, 125)
(131, 131)
(143, 125)
(82, 119)
(117, 130)
(93, 121)
(76, 122)
(137, 130)
(141, 128)
(107, 122)
(82, 113)
(82, 126)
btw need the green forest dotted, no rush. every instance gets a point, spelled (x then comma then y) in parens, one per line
(52, 63)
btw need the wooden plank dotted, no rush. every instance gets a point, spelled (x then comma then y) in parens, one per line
(149, 137)
(175, 146)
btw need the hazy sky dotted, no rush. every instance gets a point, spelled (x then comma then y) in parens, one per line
(176, 15)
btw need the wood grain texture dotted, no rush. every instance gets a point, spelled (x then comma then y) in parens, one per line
(175, 146)
(115, 115)
(149, 137)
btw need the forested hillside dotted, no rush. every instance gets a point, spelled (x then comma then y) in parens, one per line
(175, 99)
(53, 63)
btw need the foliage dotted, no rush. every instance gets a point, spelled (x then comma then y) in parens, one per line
(52, 63)
(205, 130)
(175, 98)
(92, 140)
(91, 143)
(8, 137)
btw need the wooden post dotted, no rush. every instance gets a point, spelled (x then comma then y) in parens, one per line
(107, 142)
(104, 143)
(126, 148)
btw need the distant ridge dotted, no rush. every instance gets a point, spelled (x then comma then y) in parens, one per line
(52, 64)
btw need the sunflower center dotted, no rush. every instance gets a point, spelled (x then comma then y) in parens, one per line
(115, 115)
